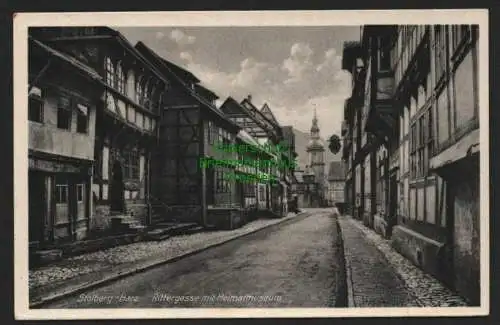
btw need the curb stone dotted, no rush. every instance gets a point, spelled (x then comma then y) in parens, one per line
(114, 276)
(347, 263)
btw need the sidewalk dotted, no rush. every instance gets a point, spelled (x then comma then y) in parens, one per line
(82, 272)
(378, 276)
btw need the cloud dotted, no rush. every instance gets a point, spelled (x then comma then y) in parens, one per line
(292, 88)
(186, 56)
(159, 35)
(298, 63)
(181, 38)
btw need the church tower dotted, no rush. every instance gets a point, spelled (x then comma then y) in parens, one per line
(316, 150)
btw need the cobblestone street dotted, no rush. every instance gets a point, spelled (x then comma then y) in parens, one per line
(295, 263)
(299, 261)
(90, 267)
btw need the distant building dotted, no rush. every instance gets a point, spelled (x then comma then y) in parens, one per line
(336, 183)
(316, 166)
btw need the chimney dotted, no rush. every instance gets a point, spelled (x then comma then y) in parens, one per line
(249, 97)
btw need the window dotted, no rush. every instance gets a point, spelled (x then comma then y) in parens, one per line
(120, 79)
(139, 119)
(421, 147)
(430, 133)
(210, 185)
(62, 193)
(82, 118)
(460, 34)
(64, 113)
(146, 95)
(79, 192)
(130, 84)
(110, 72)
(131, 164)
(35, 105)
(441, 55)
(209, 132)
(221, 184)
(443, 116)
(465, 91)
(139, 90)
(413, 150)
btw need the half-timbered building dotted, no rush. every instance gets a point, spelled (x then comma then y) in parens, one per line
(419, 144)
(193, 182)
(61, 117)
(269, 194)
(269, 133)
(126, 123)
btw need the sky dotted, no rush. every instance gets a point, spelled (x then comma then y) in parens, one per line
(292, 69)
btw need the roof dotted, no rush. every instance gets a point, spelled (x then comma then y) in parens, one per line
(257, 112)
(225, 108)
(122, 40)
(142, 48)
(68, 59)
(206, 91)
(181, 72)
(266, 111)
(336, 171)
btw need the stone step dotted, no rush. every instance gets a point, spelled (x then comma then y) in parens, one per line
(157, 234)
(43, 257)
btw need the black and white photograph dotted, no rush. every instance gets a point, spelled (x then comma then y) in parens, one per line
(251, 164)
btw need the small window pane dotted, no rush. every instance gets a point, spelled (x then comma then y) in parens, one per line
(82, 119)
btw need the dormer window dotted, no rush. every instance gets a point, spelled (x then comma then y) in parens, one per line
(35, 105)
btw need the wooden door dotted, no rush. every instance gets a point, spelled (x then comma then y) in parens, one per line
(62, 220)
(80, 213)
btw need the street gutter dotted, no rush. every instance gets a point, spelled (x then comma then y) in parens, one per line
(347, 267)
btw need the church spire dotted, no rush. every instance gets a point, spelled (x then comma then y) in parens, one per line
(314, 127)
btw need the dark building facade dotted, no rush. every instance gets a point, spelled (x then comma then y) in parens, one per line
(411, 145)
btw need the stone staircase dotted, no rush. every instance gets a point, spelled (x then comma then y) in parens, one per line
(126, 224)
(164, 230)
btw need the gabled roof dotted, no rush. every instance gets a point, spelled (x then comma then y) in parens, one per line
(336, 171)
(231, 107)
(266, 111)
(181, 72)
(260, 116)
(206, 91)
(161, 64)
(66, 58)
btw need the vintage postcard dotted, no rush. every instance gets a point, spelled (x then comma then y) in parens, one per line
(251, 164)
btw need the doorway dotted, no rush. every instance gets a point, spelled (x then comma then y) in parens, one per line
(393, 203)
(37, 206)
